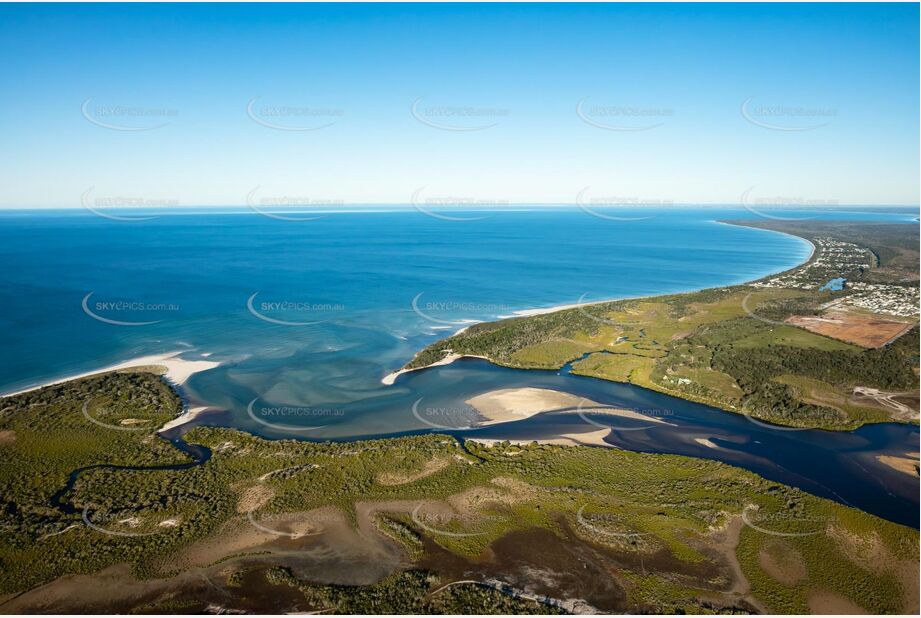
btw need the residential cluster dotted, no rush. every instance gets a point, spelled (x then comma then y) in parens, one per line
(847, 261)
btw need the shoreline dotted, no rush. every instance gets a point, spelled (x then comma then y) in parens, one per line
(176, 370)
(391, 377)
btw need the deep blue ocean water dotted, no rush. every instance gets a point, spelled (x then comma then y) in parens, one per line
(306, 317)
(348, 280)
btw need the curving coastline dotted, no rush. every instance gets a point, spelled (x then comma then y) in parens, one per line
(391, 377)
(175, 369)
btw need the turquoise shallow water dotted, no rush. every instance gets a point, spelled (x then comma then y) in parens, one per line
(335, 295)
(306, 317)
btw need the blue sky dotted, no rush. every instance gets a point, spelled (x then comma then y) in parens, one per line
(830, 97)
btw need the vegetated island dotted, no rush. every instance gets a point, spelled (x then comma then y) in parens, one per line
(112, 518)
(831, 344)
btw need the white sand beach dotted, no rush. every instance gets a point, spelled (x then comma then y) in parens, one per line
(390, 378)
(176, 370)
(190, 415)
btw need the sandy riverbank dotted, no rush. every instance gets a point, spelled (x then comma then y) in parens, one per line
(176, 370)
(515, 404)
(589, 438)
(390, 378)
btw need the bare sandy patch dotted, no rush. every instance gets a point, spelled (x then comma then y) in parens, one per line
(7, 436)
(782, 562)
(261, 534)
(189, 415)
(908, 465)
(430, 467)
(866, 330)
(725, 541)
(515, 404)
(706, 442)
(504, 491)
(866, 549)
(827, 602)
(132, 422)
(254, 497)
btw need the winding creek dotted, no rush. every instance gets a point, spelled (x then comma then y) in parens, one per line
(838, 465)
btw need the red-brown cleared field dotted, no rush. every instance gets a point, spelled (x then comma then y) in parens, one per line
(869, 331)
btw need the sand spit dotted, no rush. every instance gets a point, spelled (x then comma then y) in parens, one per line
(176, 370)
(390, 378)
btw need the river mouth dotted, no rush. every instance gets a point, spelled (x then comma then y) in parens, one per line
(839, 465)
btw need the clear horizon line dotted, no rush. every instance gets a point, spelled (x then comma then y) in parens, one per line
(494, 207)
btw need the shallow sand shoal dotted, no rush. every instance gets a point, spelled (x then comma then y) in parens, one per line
(515, 404)
(589, 438)
(908, 464)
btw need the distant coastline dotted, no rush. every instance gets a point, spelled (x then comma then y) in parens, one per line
(391, 377)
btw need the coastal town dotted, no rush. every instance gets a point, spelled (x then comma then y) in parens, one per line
(842, 267)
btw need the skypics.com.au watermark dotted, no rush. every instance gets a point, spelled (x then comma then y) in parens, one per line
(452, 312)
(117, 208)
(127, 118)
(288, 207)
(292, 118)
(281, 418)
(786, 118)
(116, 312)
(457, 118)
(622, 118)
(283, 312)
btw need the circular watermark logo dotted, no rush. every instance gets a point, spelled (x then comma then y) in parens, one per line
(751, 313)
(316, 523)
(448, 418)
(426, 521)
(590, 205)
(457, 118)
(429, 309)
(99, 310)
(581, 305)
(438, 207)
(127, 118)
(103, 524)
(297, 119)
(636, 414)
(784, 524)
(270, 416)
(98, 205)
(592, 527)
(756, 206)
(126, 426)
(265, 310)
(261, 205)
(622, 118)
(786, 118)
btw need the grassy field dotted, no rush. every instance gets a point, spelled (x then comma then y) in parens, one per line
(727, 347)
(660, 525)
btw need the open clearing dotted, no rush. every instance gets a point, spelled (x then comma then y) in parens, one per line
(869, 331)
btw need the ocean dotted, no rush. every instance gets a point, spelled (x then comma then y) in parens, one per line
(305, 318)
